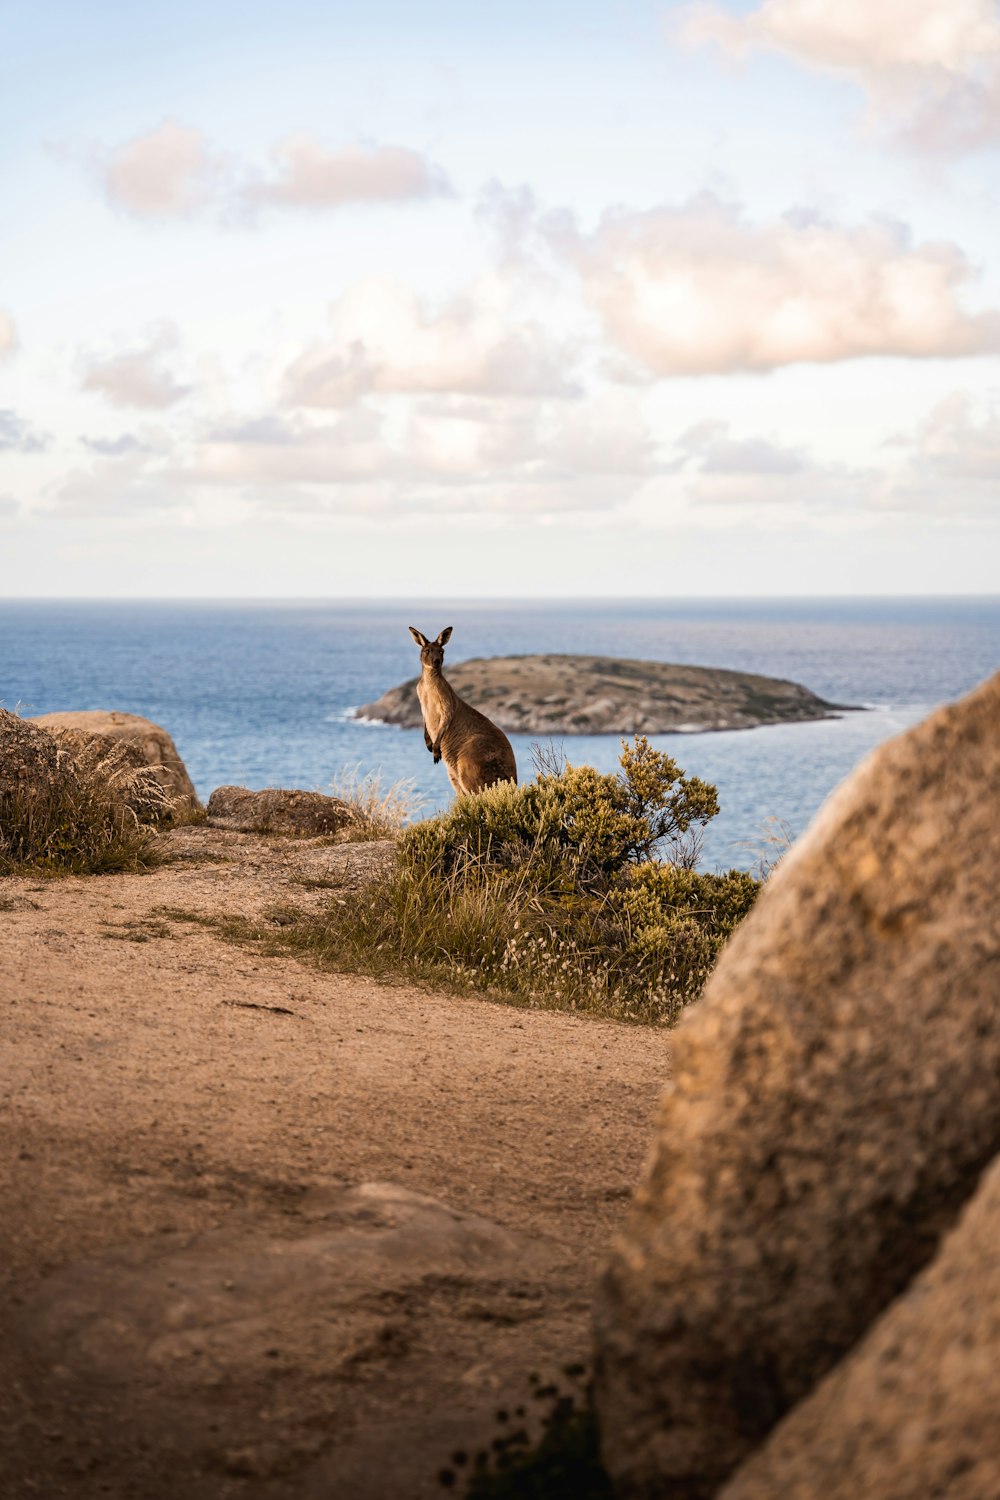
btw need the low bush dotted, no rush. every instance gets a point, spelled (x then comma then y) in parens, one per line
(548, 894)
(576, 824)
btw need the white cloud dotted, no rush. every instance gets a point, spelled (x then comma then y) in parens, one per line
(490, 442)
(930, 68)
(474, 458)
(309, 175)
(130, 484)
(169, 172)
(8, 334)
(698, 289)
(606, 434)
(264, 451)
(713, 467)
(710, 446)
(126, 442)
(454, 455)
(18, 436)
(173, 172)
(947, 466)
(386, 340)
(962, 439)
(138, 377)
(8, 506)
(951, 463)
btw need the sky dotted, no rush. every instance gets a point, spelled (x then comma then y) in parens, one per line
(444, 300)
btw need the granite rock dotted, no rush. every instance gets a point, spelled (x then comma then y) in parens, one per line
(562, 694)
(275, 810)
(29, 757)
(912, 1411)
(156, 746)
(834, 1101)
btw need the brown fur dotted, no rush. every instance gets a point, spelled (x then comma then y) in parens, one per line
(475, 752)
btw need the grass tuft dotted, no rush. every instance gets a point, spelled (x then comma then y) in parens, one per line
(86, 815)
(773, 840)
(377, 811)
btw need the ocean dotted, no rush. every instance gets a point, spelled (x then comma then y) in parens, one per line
(259, 693)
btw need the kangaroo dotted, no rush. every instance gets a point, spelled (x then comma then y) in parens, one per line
(476, 753)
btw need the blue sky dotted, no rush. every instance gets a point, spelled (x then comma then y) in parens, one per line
(540, 299)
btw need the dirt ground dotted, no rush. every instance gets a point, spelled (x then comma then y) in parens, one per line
(272, 1232)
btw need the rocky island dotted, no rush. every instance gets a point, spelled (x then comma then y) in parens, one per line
(569, 694)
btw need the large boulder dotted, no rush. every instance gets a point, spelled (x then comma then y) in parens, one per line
(835, 1098)
(913, 1410)
(277, 810)
(156, 746)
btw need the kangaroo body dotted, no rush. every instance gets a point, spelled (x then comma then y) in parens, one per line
(475, 752)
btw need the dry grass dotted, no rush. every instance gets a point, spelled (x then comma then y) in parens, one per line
(97, 815)
(773, 841)
(502, 934)
(377, 811)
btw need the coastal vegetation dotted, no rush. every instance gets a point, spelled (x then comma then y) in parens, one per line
(74, 801)
(576, 890)
(94, 811)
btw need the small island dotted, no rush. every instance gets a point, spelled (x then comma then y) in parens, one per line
(568, 694)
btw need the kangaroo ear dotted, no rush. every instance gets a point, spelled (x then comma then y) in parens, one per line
(418, 636)
(445, 636)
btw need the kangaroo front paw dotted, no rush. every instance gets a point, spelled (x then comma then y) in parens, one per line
(436, 752)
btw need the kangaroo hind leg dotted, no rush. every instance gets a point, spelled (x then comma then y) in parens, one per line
(455, 777)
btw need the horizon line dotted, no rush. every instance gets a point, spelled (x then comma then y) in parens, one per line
(465, 599)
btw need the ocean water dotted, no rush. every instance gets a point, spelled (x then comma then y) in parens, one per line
(259, 693)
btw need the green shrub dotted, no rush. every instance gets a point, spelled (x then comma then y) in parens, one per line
(546, 894)
(654, 895)
(580, 823)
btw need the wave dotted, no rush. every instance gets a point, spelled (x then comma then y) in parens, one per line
(351, 716)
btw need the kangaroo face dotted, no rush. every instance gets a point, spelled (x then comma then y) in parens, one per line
(432, 652)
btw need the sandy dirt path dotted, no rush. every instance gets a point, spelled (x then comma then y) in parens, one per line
(269, 1231)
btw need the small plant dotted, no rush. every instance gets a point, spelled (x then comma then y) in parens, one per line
(120, 769)
(548, 757)
(79, 827)
(564, 1461)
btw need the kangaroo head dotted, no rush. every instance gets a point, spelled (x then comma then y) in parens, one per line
(431, 652)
